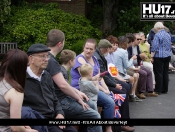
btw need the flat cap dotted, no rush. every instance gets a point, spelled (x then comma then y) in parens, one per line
(104, 43)
(37, 48)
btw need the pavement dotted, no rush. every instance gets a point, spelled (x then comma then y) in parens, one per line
(162, 106)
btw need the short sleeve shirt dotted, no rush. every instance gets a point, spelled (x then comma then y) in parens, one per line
(54, 68)
(65, 73)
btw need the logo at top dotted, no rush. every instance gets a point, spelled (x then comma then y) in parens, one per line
(153, 11)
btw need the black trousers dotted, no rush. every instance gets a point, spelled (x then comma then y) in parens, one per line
(124, 108)
(161, 67)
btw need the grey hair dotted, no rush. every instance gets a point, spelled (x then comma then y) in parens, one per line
(141, 33)
(159, 25)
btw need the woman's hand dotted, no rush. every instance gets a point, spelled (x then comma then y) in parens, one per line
(152, 60)
(137, 69)
(96, 77)
(143, 56)
(106, 92)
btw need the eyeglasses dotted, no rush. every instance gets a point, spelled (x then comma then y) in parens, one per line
(139, 39)
(42, 56)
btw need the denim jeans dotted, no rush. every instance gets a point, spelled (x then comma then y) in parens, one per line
(73, 110)
(107, 103)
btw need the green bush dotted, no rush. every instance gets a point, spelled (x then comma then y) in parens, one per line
(4, 10)
(78, 47)
(29, 24)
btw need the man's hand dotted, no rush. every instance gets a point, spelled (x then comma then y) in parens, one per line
(134, 57)
(60, 116)
(118, 86)
(82, 95)
(84, 105)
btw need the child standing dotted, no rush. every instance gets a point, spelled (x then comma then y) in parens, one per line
(86, 84)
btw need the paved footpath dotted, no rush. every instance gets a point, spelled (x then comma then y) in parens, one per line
(162, 106)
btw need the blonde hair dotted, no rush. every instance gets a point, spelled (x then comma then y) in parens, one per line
(85, 69)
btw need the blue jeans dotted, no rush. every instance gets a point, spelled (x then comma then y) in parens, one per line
(107, 103)
(73, 110)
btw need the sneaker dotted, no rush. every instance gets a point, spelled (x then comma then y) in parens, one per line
(153, 94)
(137, 99)
(171, 68)
(141, 96)
(159, 93)
(127, 128)
(131, 98)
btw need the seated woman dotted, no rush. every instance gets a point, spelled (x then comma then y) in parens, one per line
(144, 48)
(12, 88)
(104, 100)
(133, 79)
(103, 96)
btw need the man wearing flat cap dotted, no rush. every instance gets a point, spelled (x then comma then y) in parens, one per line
(116, 86)
(39, 88)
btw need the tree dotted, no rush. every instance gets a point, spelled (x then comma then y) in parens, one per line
(4, 10)
(110, 9)
(103, 14)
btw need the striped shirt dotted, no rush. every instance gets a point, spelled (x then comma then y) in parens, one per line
(161, 45)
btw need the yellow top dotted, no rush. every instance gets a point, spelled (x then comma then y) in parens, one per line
(144, 48)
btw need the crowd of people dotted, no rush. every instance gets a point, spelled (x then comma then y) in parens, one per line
(45, 88)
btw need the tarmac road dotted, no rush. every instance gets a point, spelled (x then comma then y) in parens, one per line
(162, 106)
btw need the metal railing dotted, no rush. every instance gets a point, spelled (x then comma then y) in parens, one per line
(5, 47)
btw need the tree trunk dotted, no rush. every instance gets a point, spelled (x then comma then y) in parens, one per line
(110, 8)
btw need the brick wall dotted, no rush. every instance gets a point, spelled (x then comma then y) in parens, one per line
(73, 6)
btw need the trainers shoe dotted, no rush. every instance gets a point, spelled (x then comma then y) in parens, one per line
(131, 98)
(137, 99)
(127, 128)
(141, 96)
(159, 93)
(153, 94)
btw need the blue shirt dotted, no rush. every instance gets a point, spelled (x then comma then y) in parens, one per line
(161, 44)
(121, 60)
(110, 58)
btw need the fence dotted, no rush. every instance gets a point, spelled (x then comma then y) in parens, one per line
(5, 47)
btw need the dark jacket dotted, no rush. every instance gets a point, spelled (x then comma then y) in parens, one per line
(40, 96)
(151, 36)
(153, 32)
(109, 80)
(28, 113)
(129, 49)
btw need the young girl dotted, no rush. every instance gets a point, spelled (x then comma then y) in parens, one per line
(12, 81)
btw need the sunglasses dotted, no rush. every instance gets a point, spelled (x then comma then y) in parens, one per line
(139, 39)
